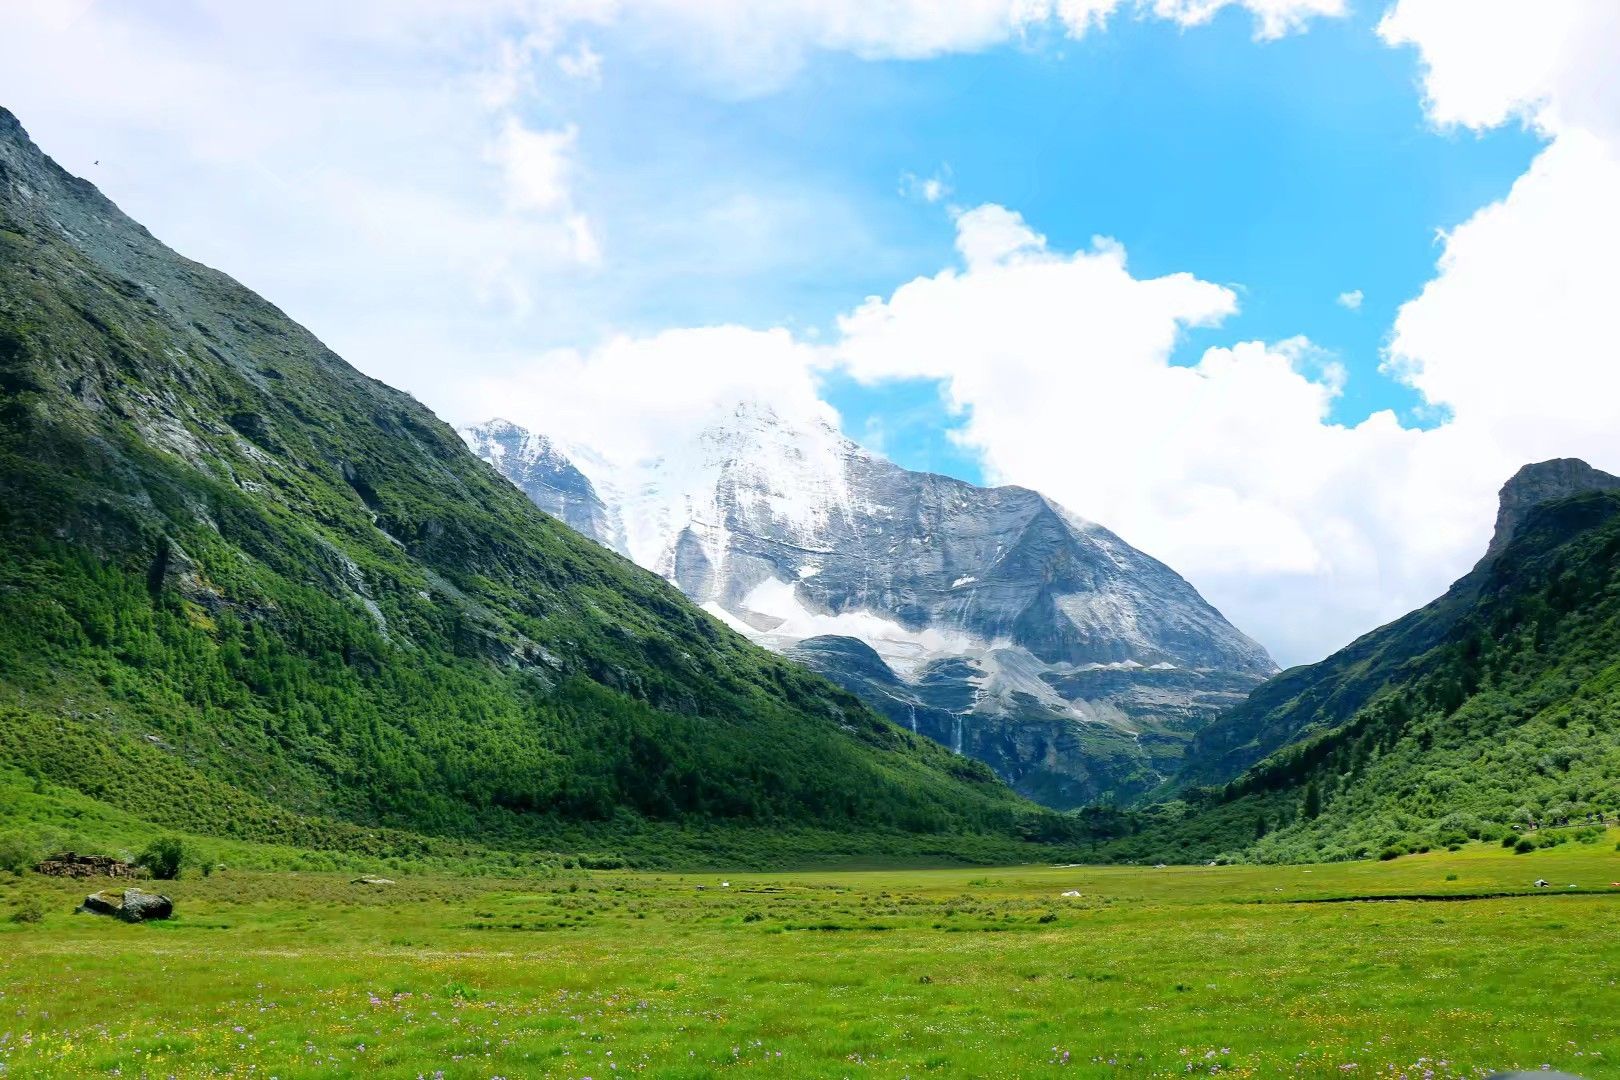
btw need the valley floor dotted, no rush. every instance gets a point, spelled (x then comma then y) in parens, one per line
(1245, 971)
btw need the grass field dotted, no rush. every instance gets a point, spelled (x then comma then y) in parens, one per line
(1245, 971)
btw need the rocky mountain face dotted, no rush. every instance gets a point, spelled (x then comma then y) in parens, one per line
(245, 589)
(990, 619)
(548, 477)
(1540, 483)
(1317, 697)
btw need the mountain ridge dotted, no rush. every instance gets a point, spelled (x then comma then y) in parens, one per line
(240, 573)
(1485, 714)
(1283, 709)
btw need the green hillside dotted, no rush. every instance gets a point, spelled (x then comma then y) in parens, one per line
(247, 591)
(1496, 706)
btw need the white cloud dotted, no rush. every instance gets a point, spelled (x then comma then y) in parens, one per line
(633, 395)
(748, 47)
(1519, 323)
(1272, 18)
(535, 164)
(1229, 469)
(335, 157)
(1551, 63)
(1514, 334)
(538, 170)
(1304, 531)
(584, 63)
(407, 178)
(1350, 301)
(929, 189)
(990, 234)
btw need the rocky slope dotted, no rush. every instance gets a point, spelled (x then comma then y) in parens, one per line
(990, 619)
(244, 588)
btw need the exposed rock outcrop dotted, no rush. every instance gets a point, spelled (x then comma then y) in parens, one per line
(1538, 483)
(132, 905)
(70, 864)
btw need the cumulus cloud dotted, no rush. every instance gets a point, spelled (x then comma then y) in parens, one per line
(1514, 334)
(1350, 301)
(1517, 320)
(1305, 531)
(1229, 469)
(538, 170)
(1060, 366)
(1492, 61)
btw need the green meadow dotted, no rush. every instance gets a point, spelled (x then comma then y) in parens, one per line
(1443, 964)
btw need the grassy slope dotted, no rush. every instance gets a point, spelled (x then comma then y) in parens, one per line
(248, 591)
(957, 973)
(1312, 698)
(1510, 715)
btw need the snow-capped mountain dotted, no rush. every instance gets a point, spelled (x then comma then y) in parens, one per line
(991, 619)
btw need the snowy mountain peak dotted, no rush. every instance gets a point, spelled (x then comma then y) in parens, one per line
(546, 472)
(1025, 612)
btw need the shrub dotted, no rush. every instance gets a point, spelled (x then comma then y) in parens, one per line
(1524, 844)
(164, 858)
(1391, 852)
(17, 853)
(1467, 826)
(30, 909)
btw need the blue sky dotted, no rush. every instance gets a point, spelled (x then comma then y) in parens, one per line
(605, 218)
(1294, 170)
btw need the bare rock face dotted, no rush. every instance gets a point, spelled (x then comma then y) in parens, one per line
(991, 619)
(1538, 483)
(132, 905)
(543, 472)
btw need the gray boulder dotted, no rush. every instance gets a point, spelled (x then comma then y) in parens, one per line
(132, 905)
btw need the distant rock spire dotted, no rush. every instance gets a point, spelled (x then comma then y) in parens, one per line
(1538, 483)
